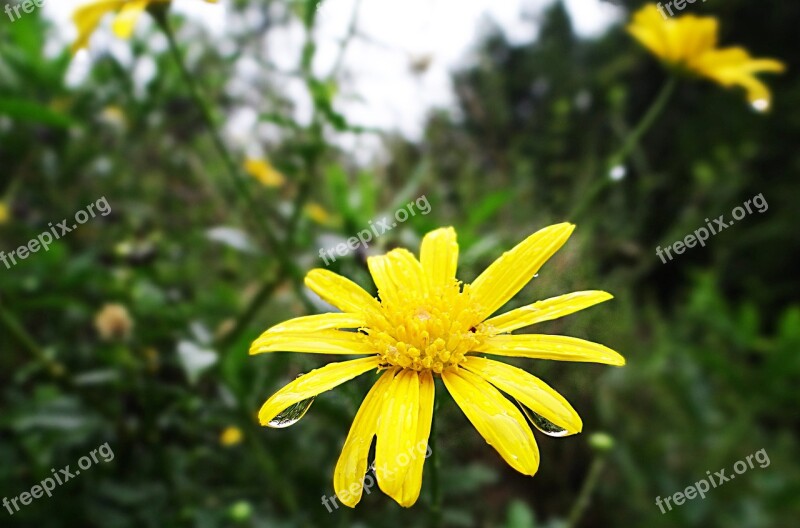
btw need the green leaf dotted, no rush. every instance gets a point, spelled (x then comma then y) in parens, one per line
(33, 112)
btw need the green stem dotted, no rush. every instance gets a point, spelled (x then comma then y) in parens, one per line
(281, 251)
(22, 336)
(631, 141)
(585, 495)
(646, 122)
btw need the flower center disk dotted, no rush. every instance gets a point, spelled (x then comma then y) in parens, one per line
(430, 330)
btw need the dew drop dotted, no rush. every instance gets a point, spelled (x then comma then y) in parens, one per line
(543, 424)
(617, 172)
(292, 414)
(760, 105)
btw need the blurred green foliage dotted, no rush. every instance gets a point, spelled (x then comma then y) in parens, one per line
(711, 337)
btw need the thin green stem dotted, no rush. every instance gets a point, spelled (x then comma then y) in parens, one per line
(646, 122)
(18, 332)
(631, 141)
(592, 479)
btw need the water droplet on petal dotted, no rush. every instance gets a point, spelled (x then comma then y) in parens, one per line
(617, 172)
(760, 105)
(543, 424)
(292, 414)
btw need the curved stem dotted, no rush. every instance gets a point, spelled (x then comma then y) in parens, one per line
(585, 495)
(645, 123)
(631, 141)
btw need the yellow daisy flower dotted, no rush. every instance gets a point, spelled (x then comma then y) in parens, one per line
(427, 325)
(4, 213)
(690, 43)
(88, 17)
(263, 171)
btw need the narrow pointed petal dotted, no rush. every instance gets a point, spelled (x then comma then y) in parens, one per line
(88, 17)
(322, 342)
(128, 16)
(496, 419)
(439, 256)
(515, 268)
(558, 348)
(397, 431)
(412, 485)
(315, 323)
(395, 274)
(342, 293)
(313, 383)
(546, 310)
(529, 390)
(351, 468)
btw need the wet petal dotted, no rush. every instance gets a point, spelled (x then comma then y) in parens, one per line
(515, 268)
(439, 256)
(529, 390)
(313, 383)
(412, 485)
(351, 468)
(322, 342)
(558, 348)
(342, 293)
(397, 431)
(546, 310)
(396, 273)
(496, 419)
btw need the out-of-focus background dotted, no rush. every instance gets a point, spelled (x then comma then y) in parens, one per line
(131, 330)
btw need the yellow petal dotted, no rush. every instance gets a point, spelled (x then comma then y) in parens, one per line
(313, 383)
(546, 310)
(315, 323)
(128, 16)
(348, 477)
(439, 256)
(512, 271)
(412, 485)
(322, 342)
(529, 390)
(263, 171)
(397, 431)
(495, 418)
(395, 273)
(559, 348)
(648, 28)
(342, 293)
(87, 18)
(735, 67)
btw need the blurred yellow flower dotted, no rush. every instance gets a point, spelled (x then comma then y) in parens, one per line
(690, 43)
(113, 322)
(88, 16)
(317, 213)
(231, 436)
(263, 171)
(5, 214)
(426, 325)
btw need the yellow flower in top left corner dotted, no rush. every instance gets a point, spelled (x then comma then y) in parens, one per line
(88, 17)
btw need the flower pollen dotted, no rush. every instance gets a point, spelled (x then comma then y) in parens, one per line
(429, 330)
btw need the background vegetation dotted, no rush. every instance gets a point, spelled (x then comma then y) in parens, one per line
(203, 258)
